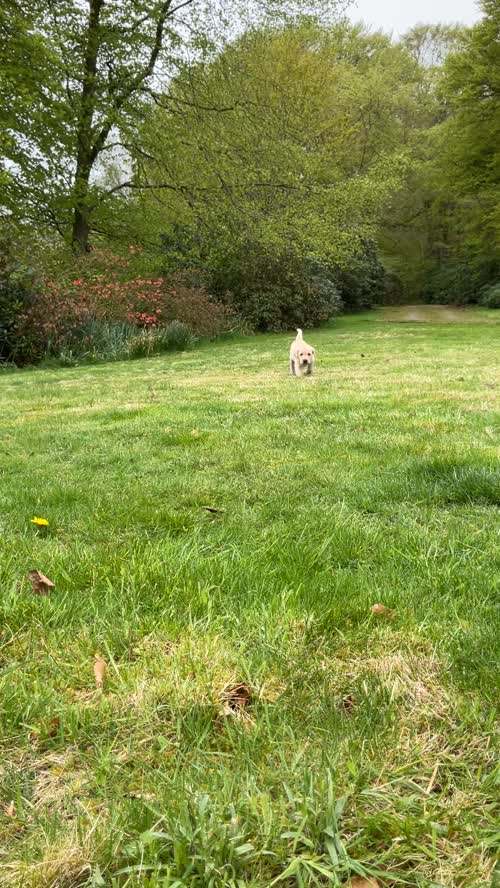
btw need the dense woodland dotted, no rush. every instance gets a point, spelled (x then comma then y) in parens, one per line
(178, 169)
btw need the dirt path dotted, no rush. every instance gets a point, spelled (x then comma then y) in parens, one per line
(425, 314)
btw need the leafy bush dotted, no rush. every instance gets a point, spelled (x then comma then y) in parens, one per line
(453, 283)
(461, 281)
(393, 290)
(489, 296)
(365, 282)
(273, 288)
(274, 291)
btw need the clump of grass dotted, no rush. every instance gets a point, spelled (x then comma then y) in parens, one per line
(176, 336)
(119, 341)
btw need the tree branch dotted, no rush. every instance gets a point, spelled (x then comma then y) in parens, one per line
(180, 6)
(224, 186)
(157, 99)
(55, 221)
(137, 81)
(138, 187)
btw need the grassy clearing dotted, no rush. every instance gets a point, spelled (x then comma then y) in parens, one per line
(367, 743)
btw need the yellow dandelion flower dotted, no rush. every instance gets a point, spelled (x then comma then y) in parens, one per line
(40, 522)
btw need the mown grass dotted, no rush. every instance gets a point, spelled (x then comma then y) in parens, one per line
(368, 743)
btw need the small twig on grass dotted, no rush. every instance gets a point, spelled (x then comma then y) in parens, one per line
(433, 779)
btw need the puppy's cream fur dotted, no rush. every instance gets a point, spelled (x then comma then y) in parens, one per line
(302, 356)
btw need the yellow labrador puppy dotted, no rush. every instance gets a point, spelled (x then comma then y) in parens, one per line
(302, 356)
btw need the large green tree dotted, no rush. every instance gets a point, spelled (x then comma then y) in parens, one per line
(443, 235)
(292, 136)
(469, 145)
(76, 79)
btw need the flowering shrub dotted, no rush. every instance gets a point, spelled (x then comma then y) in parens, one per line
(193, 306)
(63, 309)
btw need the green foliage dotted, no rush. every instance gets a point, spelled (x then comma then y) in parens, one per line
(365, 282)
(76, 80)
(430, 45)
(289, 176)
(469, 157)
(274, 291)
(17, 293)
(471, 86)
(301, 140)
(442, 233)
(453, 281)
(489, 296)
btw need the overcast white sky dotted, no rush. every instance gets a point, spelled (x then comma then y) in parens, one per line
(398, 16)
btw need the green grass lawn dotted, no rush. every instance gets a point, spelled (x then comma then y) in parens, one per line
(359, 743)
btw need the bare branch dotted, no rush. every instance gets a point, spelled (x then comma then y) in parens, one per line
(180, 6)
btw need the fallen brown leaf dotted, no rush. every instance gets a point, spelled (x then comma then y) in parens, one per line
(361, 882)
(54, 726)
(41, 584)
(11, 810)
(348, 703)
(237, 697)
(99, 670)
(382, 609)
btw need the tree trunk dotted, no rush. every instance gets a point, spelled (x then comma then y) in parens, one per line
(80, 232)
(85, 158)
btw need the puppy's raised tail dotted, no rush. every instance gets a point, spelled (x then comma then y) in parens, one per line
(299, 333)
